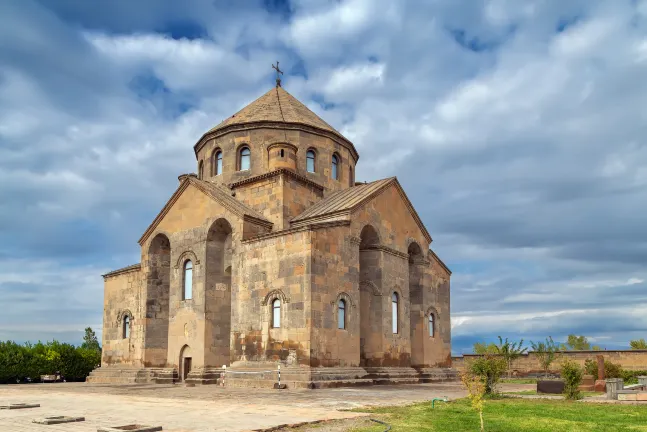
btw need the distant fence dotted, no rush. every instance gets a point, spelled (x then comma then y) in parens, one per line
(529, 363)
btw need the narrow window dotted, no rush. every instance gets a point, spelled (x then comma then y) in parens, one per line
(341, 314)
(335, 163)
(394, 312)
(282, 154)
(126, 327)
(217, 163)
(200, 170)
(188, 281)
(276, 313)
(310, 161)
(351, 179)
(431, 325)
(244, 158)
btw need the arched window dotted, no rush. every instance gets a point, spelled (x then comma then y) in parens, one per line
(276, 313)
(351, 179)
(217, 163)
(126, 330)
(341, 314)
(335, 165)
(310, 161)
(187, 293)
(200, 170)
(394, 312)
(431, 324)
(245, 156)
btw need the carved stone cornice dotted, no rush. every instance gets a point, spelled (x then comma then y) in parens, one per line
(386, 249)
(280, 171)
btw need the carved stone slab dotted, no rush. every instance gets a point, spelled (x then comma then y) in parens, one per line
(19, 406)
(130, 428)
(58, 420)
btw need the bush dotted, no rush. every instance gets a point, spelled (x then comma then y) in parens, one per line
(611, 370)
(631, 377)
(490, 368)
(18, 362)
(572, 375)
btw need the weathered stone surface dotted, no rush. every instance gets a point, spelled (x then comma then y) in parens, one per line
(130, 428)
(19, 406)
(364, 245)
(58, 420)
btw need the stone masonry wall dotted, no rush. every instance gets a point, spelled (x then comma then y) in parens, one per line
(529, 363)
(335, 276)
(272, 267)
(196, 323)
(437, 300)
(258, 140)
(279, 198)
(122, 295)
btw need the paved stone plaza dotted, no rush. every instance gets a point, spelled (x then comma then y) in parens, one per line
(202, 408)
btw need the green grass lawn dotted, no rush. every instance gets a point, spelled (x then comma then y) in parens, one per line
(513, 415)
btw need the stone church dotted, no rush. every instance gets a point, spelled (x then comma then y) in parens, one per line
(272, 254)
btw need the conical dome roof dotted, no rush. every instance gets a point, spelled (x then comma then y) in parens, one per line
(277, 105)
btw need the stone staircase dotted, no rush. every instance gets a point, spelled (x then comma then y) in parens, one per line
(131, 375)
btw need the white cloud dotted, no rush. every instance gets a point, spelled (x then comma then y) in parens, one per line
(521, 146)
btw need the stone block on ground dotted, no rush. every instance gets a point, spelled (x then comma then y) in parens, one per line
(130, 428)
(550, 386)
(58, 420)
(600, 386)
(19, 406)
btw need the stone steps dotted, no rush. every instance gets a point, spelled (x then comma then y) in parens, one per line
(124, 375)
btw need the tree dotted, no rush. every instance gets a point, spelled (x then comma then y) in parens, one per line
(90, 341)
(490, 367)
(510, 351)
(545, 352)
(571, 373)
(484, 348)
(578, 343)
(638, 344)
(476, 390)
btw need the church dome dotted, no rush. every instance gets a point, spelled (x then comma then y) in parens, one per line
(276, 132)
(277, 106)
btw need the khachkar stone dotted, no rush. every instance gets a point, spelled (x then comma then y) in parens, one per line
(600, 383)
(272, 254)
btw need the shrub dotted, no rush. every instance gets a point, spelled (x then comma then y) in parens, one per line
(611, 370)
(631, 376)
(18, 362)
(572, 375)
(490, 368)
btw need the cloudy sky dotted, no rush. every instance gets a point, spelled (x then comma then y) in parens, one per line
(518, 129)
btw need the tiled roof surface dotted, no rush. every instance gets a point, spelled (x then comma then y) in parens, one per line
(277, 105)
(226, 199)
(343, 200)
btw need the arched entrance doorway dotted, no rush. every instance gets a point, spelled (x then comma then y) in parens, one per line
(185, 362)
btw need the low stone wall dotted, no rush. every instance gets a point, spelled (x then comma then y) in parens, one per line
(529, 363)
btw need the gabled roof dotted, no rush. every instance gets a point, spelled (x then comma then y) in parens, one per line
(344, 202)
(216, 193)
(277, 105)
